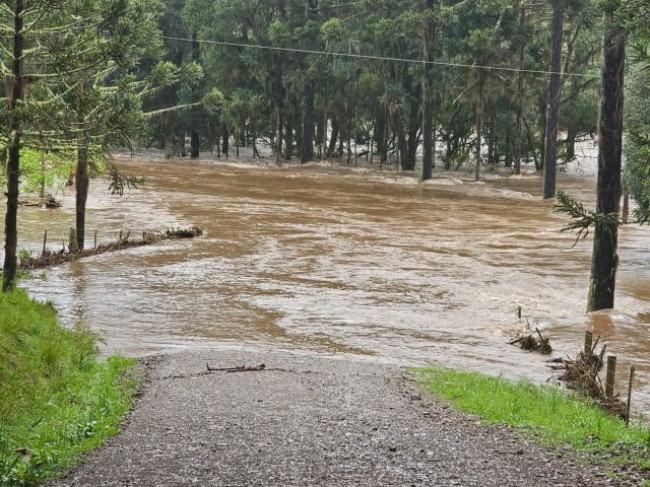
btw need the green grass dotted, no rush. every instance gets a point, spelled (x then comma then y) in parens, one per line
(551, 415)
(56, 399)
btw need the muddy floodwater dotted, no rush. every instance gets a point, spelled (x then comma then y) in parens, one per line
(322, 260)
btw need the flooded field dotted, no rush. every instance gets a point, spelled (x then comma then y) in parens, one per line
(323, 260)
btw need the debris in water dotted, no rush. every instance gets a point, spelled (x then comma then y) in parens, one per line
(51, 258)
(532, 341)
(582, 374)
(528, 339)
(49, 202)
(191, 232)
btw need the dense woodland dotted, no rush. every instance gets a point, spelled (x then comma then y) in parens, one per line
(393, 83)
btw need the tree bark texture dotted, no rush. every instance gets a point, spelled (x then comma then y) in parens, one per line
(479, 122)
(604, 260)
(554, 90)
(81, 182)
(225, 141)
(519, 103)
(195, 141)
(13, 164)
(308, 123)
(428, 155)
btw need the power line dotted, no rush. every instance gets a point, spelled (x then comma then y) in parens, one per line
(371, 57)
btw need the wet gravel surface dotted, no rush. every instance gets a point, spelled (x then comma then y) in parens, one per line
(306, 421)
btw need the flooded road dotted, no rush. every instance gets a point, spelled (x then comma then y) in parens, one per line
(343, 261)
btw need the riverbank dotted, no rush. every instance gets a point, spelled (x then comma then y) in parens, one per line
(309, 421)
(56, 400)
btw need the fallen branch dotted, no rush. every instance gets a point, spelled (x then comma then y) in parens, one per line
(51, 258)
(534, 342)
(241, 368)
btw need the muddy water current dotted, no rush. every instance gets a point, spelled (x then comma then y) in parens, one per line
(345, 262)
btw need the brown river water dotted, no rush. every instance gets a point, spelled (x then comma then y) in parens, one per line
(344, 262)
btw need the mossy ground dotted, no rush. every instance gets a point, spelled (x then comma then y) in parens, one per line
(56, 399)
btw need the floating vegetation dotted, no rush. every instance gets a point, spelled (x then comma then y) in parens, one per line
(191, 232)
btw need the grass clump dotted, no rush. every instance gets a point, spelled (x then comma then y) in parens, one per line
(56, 399)
(554, 416)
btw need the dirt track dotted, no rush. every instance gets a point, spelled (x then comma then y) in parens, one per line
(307, 421)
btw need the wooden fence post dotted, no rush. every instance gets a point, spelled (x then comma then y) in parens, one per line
(44, 244)
(611, 376)
(589, 339)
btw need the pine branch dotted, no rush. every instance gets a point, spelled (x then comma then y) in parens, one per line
(171, 109)
(582, 219)
(119, 182)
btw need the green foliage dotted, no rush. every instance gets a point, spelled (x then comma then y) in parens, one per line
(636, 172)
(551, 415)
(56, 399)
(581, 218)
(119, 182)
(42, 170)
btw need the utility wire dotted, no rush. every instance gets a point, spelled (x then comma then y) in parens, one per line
(371, 57)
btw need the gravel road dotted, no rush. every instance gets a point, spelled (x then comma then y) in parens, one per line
(308, 421)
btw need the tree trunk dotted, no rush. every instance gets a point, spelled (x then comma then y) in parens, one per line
(402, 146)
(195, 142)
(479, 126)
(333, 138)
(307, 146)
(278, 136)
(225, 142)
(492, 141)
(571, 144)
(13, 165)
(519, 102)
(479, 130)
(320, 129)
(539, 163)
(3, 160)
(81, 181)
(604, 260)
(554, 90)
(288, 142)
(427, 93)
(308, 123)
(508, 154)
(414, 126)
(195, 145)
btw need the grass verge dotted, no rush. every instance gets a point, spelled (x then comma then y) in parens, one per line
(553, 416)
(56, 399)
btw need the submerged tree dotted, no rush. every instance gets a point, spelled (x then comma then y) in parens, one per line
(604, 261)
(554, 91)
(16, 95)
(606, 220)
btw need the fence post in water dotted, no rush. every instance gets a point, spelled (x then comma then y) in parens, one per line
(629, 395)
(518, 312)
(589, 339)
(119, 240)
(611, 376)
(44, 243)
(95, 239)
